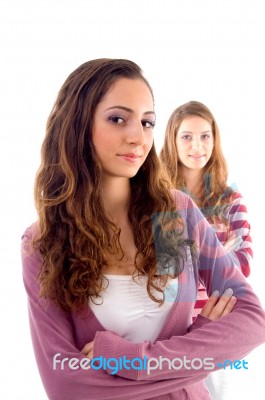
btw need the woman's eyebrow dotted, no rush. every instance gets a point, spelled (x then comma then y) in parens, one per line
(128, 109)
(190, 132)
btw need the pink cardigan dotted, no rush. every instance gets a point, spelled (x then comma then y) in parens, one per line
(231, 337)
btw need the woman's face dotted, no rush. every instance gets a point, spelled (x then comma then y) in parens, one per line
(123, 128)
(194, 142)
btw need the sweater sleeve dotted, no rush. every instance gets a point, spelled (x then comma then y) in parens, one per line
(229, 338)
(239, 243)
(236, 239)
(54, 343)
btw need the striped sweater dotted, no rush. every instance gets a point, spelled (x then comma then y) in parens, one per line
(235, 237)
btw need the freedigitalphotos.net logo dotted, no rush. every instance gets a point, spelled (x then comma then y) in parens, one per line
(116, 364)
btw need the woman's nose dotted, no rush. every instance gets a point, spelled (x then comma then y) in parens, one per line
(136, 134)
(196, 143)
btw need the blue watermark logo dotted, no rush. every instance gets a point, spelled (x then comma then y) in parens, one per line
(237, 364)
(114, 365)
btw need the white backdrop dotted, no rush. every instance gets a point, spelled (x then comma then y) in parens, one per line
(207, 50)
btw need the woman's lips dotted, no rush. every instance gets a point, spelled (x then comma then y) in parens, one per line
(129, 157)
(197, 157)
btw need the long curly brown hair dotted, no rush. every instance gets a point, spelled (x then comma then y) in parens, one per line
(214, 193)
(74, 230)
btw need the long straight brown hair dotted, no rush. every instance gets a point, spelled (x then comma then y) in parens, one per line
(214, 192)
(74, 230)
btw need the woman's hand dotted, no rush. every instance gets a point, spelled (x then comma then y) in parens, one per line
(234, 243)
(218, 306)
(88, 350)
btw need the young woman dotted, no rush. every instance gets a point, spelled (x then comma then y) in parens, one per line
(111, 267)
(194, 160)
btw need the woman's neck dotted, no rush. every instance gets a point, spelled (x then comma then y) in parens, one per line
(193, 181)
(116, 197)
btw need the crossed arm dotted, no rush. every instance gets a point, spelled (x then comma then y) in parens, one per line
(216, 307)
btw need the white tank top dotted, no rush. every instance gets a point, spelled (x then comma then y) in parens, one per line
(126, 308)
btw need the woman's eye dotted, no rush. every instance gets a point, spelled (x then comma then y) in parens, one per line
(148, 124)
(186, 137)
(205, 137)
(116, 119)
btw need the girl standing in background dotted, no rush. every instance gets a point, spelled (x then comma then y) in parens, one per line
(194, 160)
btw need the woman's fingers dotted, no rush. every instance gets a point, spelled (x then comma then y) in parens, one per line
(233, 244)
(88, 350)
(229, 306)
(218, 310)
(217, 307)
(211, 302)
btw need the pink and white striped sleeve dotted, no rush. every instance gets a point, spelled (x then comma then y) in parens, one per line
(238, 241)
